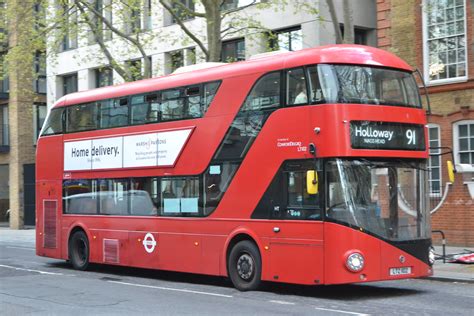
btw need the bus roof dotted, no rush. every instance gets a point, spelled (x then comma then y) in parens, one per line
(331, 54)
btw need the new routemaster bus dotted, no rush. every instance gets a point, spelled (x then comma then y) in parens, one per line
(305, 167)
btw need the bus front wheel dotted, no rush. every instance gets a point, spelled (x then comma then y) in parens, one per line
(245, 266)
(79, 250)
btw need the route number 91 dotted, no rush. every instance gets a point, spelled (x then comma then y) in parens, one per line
(411, 137)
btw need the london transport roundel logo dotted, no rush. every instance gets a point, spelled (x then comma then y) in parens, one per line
(149, 243)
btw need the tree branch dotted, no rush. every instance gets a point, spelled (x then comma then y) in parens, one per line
(132, 40)
(125, 74)
(348, 23)
(186, 9)
(227, 32)
(224, 14)
(184, 28)
(335, 23)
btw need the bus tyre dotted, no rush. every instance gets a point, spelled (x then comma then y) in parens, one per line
(79, 250)
(245, 266)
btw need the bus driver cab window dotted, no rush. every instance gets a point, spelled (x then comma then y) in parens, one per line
(300, 203)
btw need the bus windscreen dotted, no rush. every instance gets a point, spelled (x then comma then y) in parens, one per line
(367, 85)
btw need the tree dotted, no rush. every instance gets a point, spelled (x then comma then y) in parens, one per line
(92, 20)
(348, 22)
(65, 23)
(222, 21)
(214, 14)
(86, 17)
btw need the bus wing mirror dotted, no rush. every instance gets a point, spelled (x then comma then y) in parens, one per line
(450, 171)
(312, 184)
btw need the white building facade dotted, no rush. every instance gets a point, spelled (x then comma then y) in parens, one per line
(79, 63)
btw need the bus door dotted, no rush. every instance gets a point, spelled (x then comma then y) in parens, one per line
(296, 243)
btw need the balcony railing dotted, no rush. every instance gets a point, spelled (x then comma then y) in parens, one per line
(4, 138)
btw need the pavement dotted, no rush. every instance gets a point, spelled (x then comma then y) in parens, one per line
(449, 272)
(452, 272)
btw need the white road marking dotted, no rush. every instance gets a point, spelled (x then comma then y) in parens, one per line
(171, 289)
(339, 311)
(31, 270)
(22, 248)
(23, 261)
(282, 302)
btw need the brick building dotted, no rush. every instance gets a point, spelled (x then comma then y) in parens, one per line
(437, 37)
(22, 112)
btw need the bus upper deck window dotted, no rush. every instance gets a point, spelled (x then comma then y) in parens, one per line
(54, 122)
(210, 90)
(315, 90)
(144, 108)
(82, 117)
(113, 112)
(265, 94)
(296, 87)
(172, 107)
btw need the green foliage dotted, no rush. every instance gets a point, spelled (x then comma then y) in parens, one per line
(67, 24)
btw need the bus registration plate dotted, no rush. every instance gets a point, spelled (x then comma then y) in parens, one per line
(400, 271)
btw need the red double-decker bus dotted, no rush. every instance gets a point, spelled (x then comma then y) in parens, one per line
(306, 167)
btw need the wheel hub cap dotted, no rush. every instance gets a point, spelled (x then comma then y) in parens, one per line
(245, 266)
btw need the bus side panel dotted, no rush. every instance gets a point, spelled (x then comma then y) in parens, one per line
(212, 250)
(296, 252)
(49, 158)
(49, 161)
(110, 246)
(143, 249)
(48, 219)
(341, 240)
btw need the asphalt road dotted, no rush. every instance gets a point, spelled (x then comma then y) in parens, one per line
(35, 285)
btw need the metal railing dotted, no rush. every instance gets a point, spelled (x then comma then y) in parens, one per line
(443, 240)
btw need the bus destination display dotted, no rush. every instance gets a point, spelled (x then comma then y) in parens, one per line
(384, 135)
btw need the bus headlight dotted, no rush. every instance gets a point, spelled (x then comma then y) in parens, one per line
(355, 262)
(432, 256)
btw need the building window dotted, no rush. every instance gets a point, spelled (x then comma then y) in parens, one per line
(286, 40)
(107, 13)
(360, 35)
(101, 31)
(103, 77)
(69, 83)
(135, 68)
(174, 60)
(4, 138)
(132, 15)
(434, 163)
(233, 50)
(69, 29)
(40, 71)
(181, 12)
(4, 82)
(4, 192)
(147, 22)
(39, 115)
(228, 5)
(463, 139)
(444, 28)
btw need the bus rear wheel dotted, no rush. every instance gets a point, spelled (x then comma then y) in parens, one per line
(245, 266)
(79, 250)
